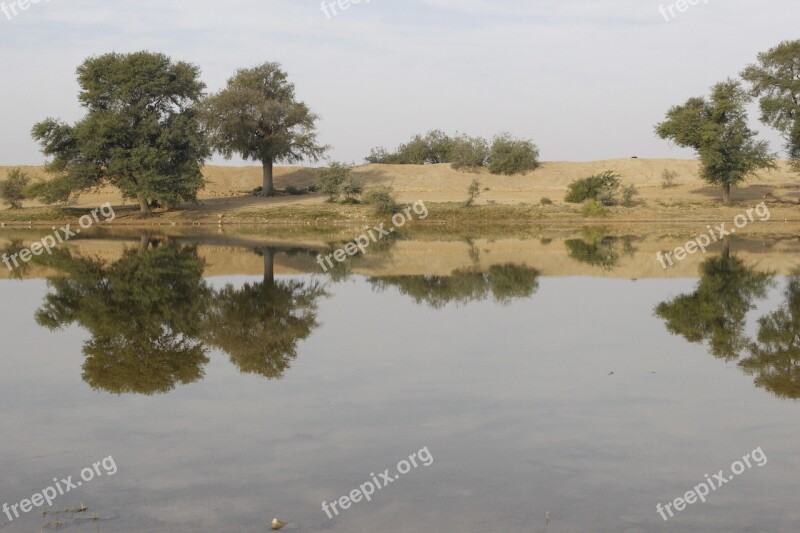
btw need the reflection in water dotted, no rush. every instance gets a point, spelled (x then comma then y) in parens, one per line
(775, 358)
(716, 313)
(260, 324)
(504, 283)
(152, 316)
(598, 249)
(141, 312)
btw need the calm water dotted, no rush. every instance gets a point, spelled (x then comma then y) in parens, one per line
(567, 386)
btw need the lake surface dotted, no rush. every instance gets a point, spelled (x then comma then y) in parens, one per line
(559, 384)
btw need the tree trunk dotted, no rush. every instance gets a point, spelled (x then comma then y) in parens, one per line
(269, 267)
(726, 194)
(144, 206)
(268, 189)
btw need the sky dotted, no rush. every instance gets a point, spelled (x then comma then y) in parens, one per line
(584, 79)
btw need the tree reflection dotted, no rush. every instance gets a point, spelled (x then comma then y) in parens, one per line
(598, 249)
(152, 317)
(260, 324)
(503, 283)
(141, 311)
(775, 358)
(716, 312)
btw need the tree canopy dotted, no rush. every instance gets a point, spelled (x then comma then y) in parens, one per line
(141, 132)
(775, 80)
(258, 117)
(716, 128)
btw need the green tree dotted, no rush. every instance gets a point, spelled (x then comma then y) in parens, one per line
(260, 324)
(775, 80)
(141, 311)
(141, 132)
(775, 358)
(716, 312)
(258, 117)
(511, 156)
(717, 130)
(13, 189)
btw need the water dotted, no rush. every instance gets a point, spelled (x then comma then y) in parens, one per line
(563, 384)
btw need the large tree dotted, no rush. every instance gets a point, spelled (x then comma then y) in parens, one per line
(716, 128)
(141, 132)
(775, 79)
(258, 117)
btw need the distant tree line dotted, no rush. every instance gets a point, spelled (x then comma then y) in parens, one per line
(505, 155)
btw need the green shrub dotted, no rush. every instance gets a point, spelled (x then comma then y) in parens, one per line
(601, 187)
(546, 201)
(351, 190)
(512, 156)
(472, 192)
(257, 190)
(469, 153)
(294, 191)
(332, 180)
(434, 147)
(381, 199)
(13, 189)
(593, 208)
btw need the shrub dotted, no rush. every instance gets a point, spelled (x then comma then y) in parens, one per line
(472, 192)
(601, 187)
(628, 194)
(294, 191)
(546, 201)
(512, 156)
(434, 147)
(469, 153)
(338, 184)
(257, 190)
(668, 179)
(593, 208)
(13, 189)
(382, 199)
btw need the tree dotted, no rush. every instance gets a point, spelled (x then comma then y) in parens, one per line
(12, 190)
(717, 130)
(141, 132)
(775, 80)
(257, 116)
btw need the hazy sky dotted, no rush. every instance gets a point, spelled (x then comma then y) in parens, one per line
(585, 79)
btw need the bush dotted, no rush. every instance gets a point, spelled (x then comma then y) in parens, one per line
(382, 199)
(668, 179)
(628, 194)
(546, 201)
(593, 208)
(512, 156)
(601, 187)
(432, 148)
(13, 189)
(294, 191)
(351, 189)
(334, 179)
(472, 192)
(469, 153)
